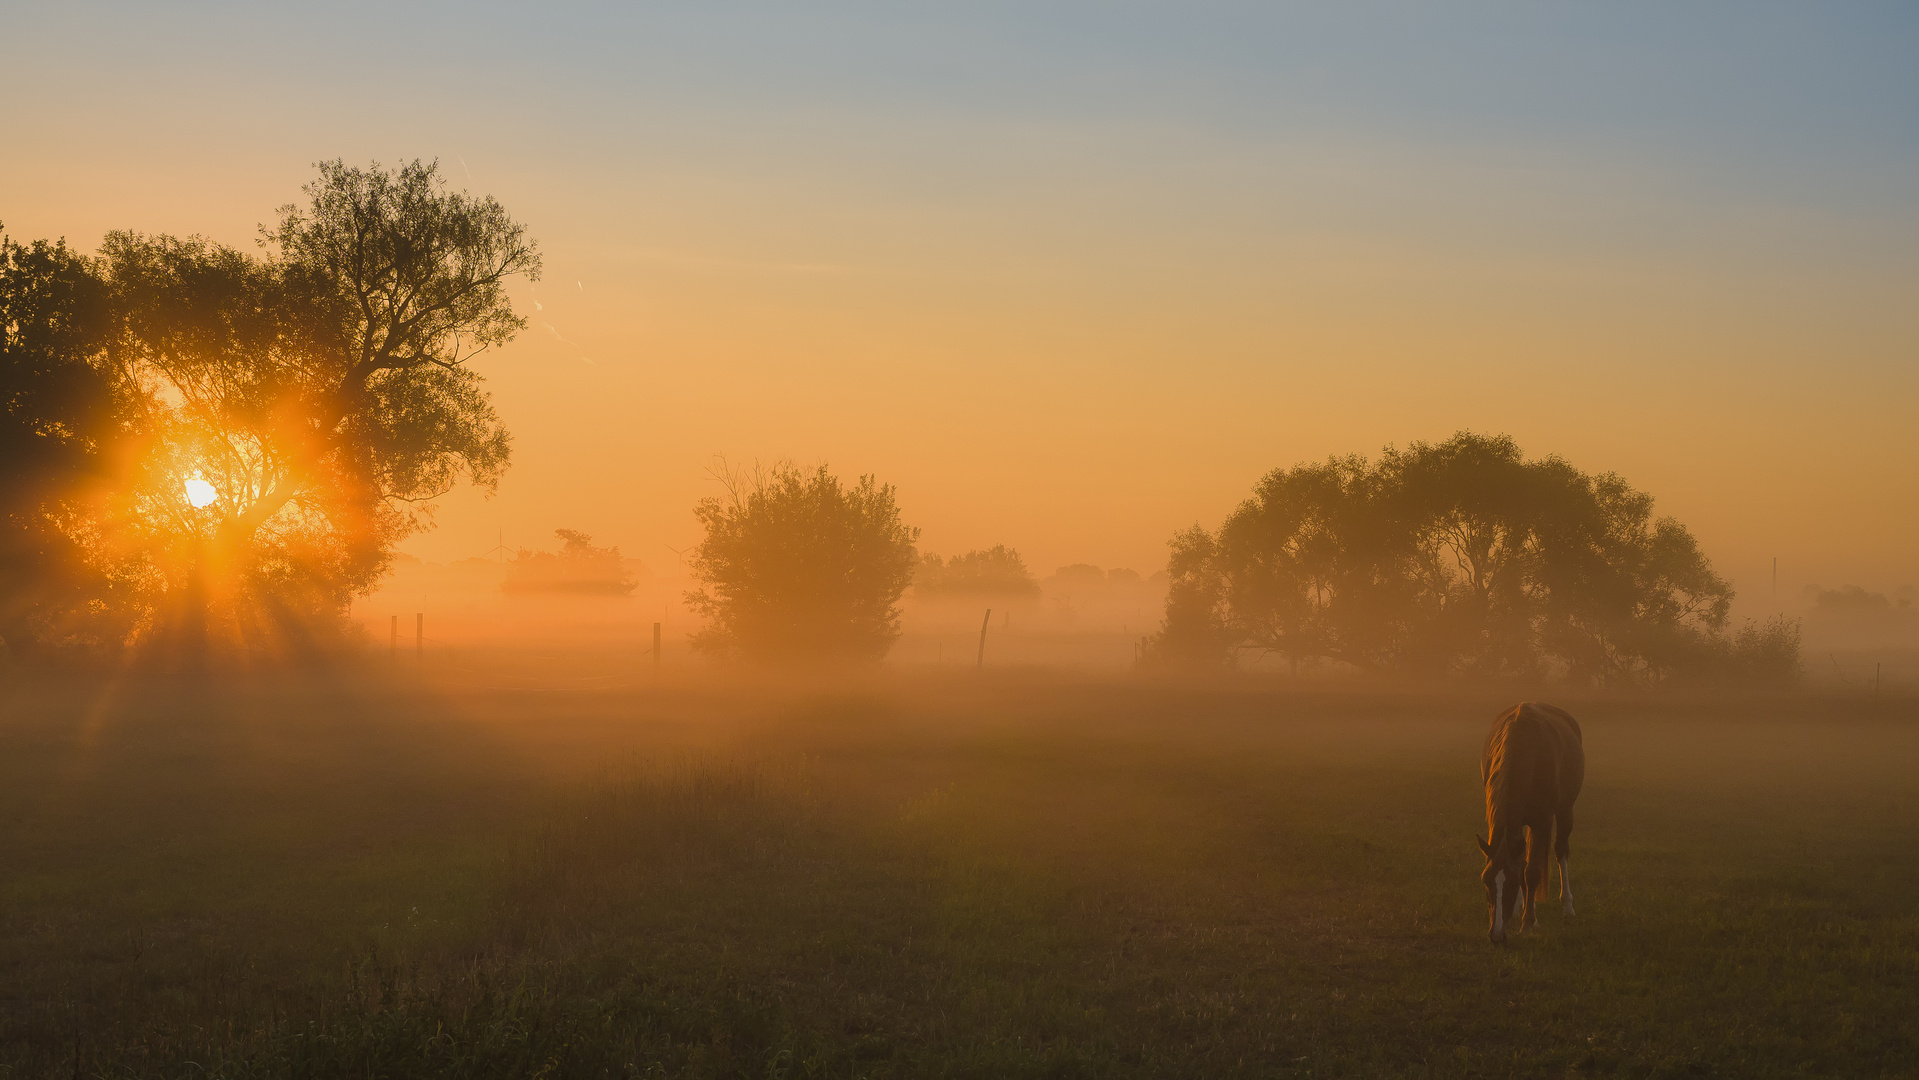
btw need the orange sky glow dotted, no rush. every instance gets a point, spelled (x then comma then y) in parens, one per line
(1072, 323)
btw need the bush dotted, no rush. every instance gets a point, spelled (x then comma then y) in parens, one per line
(1766, 652)
(795, 566)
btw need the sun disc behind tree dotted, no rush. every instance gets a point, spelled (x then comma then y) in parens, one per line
(199, 493)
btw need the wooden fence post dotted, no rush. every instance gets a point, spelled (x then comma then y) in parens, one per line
(983, 624)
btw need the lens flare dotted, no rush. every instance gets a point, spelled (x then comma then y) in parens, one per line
(199, 492)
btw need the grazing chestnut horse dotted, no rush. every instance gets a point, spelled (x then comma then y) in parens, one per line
(1534, 763)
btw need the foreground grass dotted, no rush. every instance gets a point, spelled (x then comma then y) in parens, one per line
(1021, 877)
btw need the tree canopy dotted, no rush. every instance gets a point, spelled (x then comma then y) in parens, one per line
(796, 566)
(1461, 557)
(67, 427)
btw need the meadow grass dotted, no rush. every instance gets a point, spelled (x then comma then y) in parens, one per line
(1018, 875)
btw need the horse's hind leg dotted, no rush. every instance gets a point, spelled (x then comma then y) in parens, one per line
(1538, 843)
(1521, 894)
(1563, 829)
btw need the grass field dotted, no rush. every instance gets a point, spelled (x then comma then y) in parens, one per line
(375, 875)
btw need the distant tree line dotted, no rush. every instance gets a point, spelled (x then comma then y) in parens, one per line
(1460, 558)
(1851, 616)
(578, 567)
(1085, 577)
(994, 571)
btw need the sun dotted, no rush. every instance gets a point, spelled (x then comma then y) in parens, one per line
(199, 492)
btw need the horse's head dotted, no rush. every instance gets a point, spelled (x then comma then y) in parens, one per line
(1504, 878)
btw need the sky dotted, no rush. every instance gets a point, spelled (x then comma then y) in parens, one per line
(1073, 276)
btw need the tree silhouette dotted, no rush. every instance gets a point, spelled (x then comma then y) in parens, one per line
(1460, 557)
(300, 410)
(797, 567)
(322, 391)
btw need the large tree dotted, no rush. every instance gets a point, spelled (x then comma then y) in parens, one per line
(1461, 557)
(796, 566)
(303, 407)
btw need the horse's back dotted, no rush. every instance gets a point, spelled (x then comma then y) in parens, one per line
(1550, 721)
(1572, 751)
(1559, 716)
(1540, 743)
